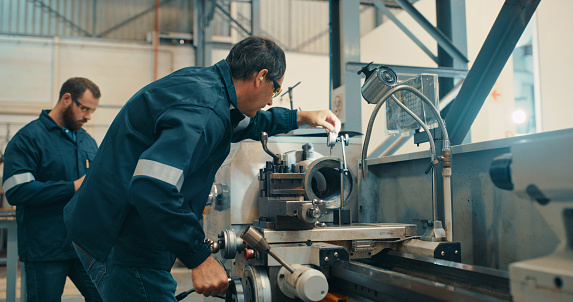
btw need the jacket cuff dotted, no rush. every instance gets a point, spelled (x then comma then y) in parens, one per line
(196, 258)
(291, 119)
(72, 189)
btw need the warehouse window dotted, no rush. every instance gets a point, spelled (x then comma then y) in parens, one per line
(526, 114)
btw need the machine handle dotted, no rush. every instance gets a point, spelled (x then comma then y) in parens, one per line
(264, 140)
(258, 242)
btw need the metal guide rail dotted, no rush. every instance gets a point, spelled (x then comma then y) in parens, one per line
(395, 276)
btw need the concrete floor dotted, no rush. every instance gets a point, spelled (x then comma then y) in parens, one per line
(71, 294)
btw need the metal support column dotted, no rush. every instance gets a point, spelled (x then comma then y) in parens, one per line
(202, 31)
(498, 46)
(451, 21)
(255, 17)
(345, 29)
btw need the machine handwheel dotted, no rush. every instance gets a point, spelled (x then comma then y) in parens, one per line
(256, 285)
(235, 292)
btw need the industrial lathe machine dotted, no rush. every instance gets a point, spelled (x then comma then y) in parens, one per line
(298, 217)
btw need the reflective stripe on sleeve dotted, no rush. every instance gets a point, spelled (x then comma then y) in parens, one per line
(157, 170)
(242, 124)
(17, 179)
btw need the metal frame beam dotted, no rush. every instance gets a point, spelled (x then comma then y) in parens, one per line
(381, 7)
(58, 15)
(230, 18)
(131, 19)
(442, 40)
(496, 50)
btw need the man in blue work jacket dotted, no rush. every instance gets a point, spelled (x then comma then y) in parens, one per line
(45, 164)
(142, 200)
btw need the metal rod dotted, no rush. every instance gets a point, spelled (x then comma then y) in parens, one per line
(281, 261)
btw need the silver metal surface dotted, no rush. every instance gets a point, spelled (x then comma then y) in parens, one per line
(240, 170)
(355, 232)
(322, 181)
(256, 285)
(306, 284)
(232, 244)
(378, 84)
(379, 284)
(495, 227)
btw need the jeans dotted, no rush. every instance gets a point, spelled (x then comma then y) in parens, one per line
(45, 280)
(120, 283)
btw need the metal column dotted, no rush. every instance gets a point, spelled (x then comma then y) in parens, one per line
(255, 17)
(345, 27)
(451, 21)
(202, 31)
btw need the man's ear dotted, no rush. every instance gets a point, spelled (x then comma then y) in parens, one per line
(66, 98)
(260, 77)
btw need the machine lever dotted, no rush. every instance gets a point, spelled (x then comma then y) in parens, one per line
(256, 240)
(264, 140)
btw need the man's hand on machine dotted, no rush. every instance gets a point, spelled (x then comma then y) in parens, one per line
(321, 119)
(210, 278)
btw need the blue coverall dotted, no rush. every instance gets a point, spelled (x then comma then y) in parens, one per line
(152, 175)
(42, 161)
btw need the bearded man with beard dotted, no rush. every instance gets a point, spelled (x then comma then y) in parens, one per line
(45, 164)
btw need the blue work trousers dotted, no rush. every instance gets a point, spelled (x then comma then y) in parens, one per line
(121, 283)
(45, 280)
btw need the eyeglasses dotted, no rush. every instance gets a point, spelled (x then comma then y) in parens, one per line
(82, 107)
(278, 88)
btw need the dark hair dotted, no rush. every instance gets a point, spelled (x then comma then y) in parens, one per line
(254, 54)
(77, 86)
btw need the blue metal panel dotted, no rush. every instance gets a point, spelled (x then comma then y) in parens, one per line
(498, 46)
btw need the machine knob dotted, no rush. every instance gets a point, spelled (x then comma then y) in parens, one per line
(500, 172)
(313, 213)
(305, 283)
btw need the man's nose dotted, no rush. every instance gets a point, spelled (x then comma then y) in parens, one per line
(88, 115)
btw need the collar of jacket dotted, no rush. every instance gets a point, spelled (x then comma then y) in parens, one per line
(47, 120)
(225, 72)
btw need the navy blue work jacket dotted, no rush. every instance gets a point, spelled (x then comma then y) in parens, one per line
(41, 164)
(145, 194)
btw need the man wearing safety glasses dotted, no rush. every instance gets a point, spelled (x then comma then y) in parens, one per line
(45, 164)
(142, 200)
